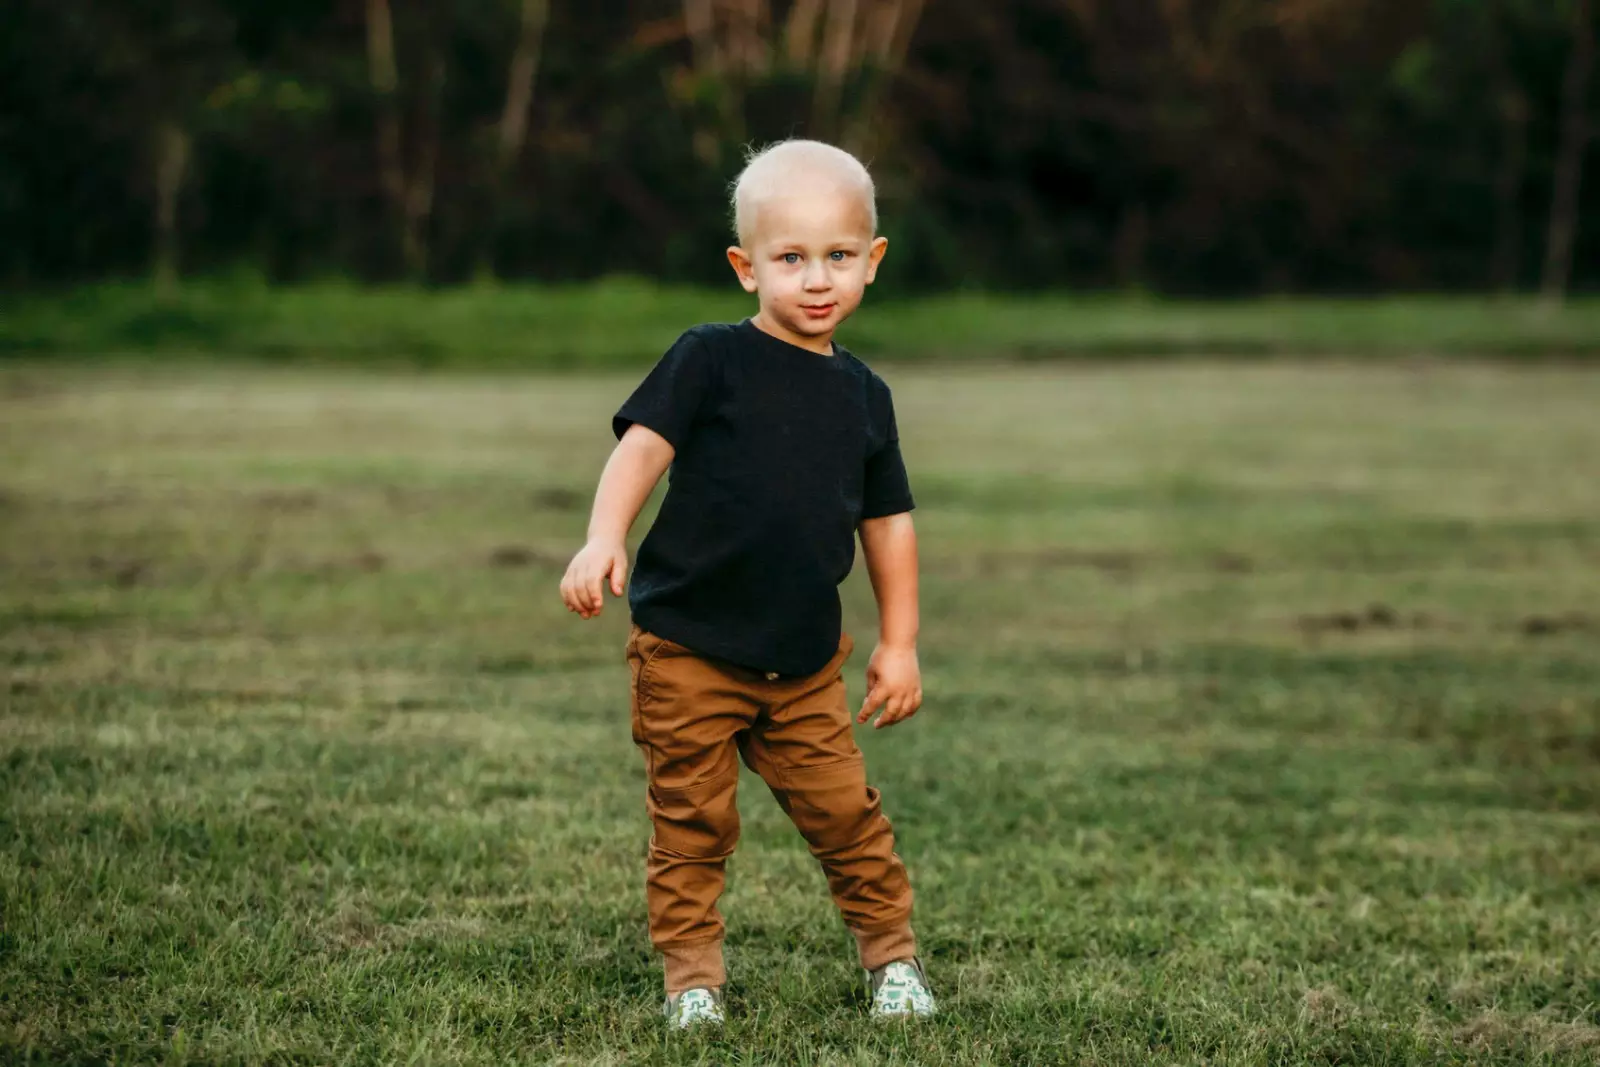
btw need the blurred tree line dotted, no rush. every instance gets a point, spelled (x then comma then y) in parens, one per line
(1178, 145)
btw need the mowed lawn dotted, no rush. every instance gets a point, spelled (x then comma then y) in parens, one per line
(1262, 726)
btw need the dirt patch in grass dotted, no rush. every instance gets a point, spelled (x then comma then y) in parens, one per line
(1381, 616)
(1120, 563)
(1326, 1006)
(1375, 616)
(367, 562)
(412, 704)
(1495, 1030)
(523, 556)
(559, 498)
(62, 617)
(122, 573)
(1106, 561)
(1548, 625)
(353, 929)
(513, 664)
(287, 501)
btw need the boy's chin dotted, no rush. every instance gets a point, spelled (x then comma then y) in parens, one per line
(812, 327)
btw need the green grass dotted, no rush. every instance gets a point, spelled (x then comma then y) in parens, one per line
(628, 323)
(1263, 726)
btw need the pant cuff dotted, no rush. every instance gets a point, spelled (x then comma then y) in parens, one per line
(693, 966)
(879, 947)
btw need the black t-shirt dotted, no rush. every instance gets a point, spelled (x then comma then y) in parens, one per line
(780, 452)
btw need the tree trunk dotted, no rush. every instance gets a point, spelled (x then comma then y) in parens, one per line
(419, 190)
(882, 57)
(1569, 159)
(724, 122)
(514, 122)
(907, 13)
(172, 165)
(1129, 246)
(1511, 101)
(800, 32)
(1507, 261)
(384, 74)
(519, 86)
(833, 66)
(749, 19)
(699, 19)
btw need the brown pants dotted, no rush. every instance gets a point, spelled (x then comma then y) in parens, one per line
(690, 715)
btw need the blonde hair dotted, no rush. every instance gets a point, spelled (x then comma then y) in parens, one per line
(768, 171)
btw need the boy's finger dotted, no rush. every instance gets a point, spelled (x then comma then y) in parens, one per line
(619, 577)
(891, 714)
(872, 701)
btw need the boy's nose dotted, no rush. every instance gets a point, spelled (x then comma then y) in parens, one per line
(816, 277)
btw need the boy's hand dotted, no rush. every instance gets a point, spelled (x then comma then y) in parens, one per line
(583, 588)
(894, 680)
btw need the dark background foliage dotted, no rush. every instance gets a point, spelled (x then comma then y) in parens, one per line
(1184, 146)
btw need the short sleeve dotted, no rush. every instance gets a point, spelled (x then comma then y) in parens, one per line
(887, 490)
(672, 395)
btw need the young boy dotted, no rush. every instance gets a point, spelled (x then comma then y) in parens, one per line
(782, 446)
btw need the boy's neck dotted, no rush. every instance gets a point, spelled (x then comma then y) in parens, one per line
(821, 345)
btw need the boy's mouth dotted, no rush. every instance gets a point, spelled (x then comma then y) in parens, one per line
(818, 311)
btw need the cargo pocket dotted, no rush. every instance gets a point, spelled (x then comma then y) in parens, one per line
(699, 821)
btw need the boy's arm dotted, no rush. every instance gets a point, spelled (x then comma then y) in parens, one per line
(633, 470)
(894, 678)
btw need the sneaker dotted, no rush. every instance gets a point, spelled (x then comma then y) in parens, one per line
(694, 1007)
(900, 989)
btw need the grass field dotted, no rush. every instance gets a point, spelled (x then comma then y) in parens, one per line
(619, 323)
(1263, 726)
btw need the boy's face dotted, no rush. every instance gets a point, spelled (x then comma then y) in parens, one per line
(809, 256)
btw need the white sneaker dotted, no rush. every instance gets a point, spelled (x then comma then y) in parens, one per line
(900, 989)
(694, 1007)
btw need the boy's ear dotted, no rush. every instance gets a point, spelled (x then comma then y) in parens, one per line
(739, 259)
(875, 252)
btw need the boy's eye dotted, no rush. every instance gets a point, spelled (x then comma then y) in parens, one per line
(838, 257)
(791, 258)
